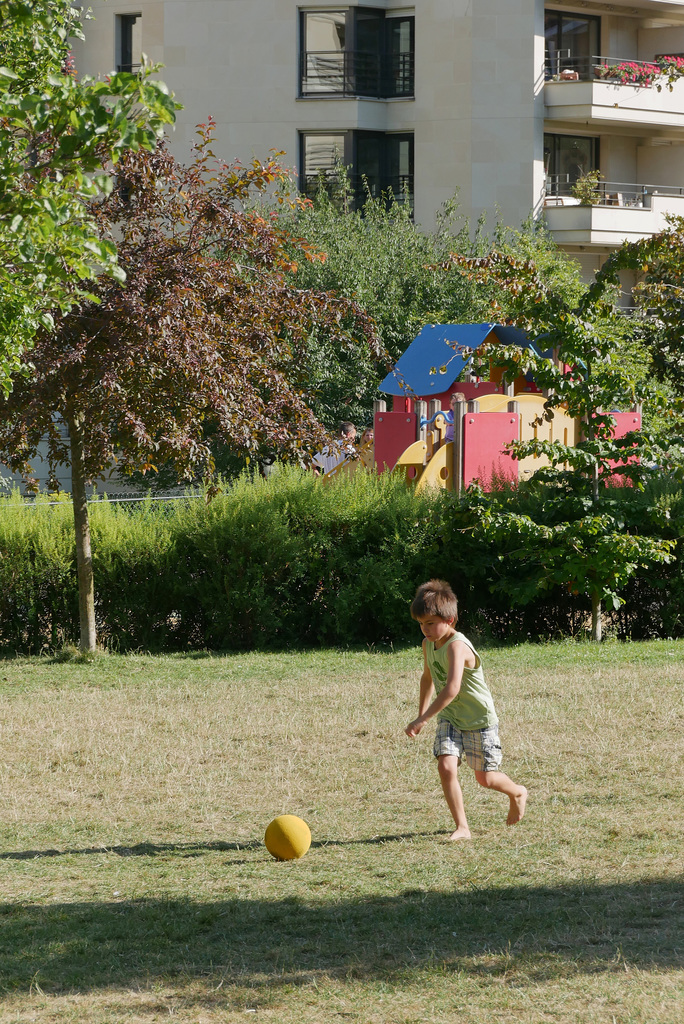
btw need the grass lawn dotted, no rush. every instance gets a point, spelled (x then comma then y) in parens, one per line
(134, 884)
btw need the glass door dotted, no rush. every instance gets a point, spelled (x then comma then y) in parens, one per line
(400, 59)
(567, 158)
(572, 43)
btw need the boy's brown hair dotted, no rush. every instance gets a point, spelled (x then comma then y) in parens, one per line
(435, 598)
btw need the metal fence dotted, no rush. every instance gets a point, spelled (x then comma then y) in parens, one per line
(30, 503)
(563, 66)
(608, 193)
(352, 73)
(360, 187)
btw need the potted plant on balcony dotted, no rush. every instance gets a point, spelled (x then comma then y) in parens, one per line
(671, 69)
(586, 188)
(631, 72)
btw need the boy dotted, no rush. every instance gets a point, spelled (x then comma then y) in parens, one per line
(466, 719)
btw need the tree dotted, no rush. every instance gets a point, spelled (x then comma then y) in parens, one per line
(206, 336)
(59, 141)
(378, 256)
(581, 372)
(659, 293)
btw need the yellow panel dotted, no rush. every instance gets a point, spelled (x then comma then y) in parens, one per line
(438, 472)
(553, 430)
(562, 422)
(499, 403)
(346, 468)
(350, 466)
(366, 455)
(414, 455)
(493, 403)
(412, 461)
(531, 406)
(435, 434)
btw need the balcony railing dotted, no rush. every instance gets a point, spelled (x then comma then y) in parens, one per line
(331, 72)
(558, 192)
(563, 67)
(131, 68)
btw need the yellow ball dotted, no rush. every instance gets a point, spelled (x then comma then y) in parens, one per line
(287, 837)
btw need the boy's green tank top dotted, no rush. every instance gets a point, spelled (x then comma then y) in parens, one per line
(473, 707)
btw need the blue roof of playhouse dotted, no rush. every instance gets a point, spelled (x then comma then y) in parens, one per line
(435, 357)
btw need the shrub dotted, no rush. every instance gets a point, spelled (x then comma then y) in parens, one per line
(38, 599)
(292, 561)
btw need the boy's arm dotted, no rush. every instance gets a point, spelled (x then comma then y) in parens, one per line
(427, 689)
(458, 654)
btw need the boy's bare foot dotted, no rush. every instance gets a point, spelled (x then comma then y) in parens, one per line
(460, 833)
(517, 809)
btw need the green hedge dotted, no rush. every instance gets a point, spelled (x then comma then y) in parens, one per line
(290, 561)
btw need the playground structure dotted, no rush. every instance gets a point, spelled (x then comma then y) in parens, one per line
(488, 415)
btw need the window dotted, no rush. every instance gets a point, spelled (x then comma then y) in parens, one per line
(567, 158)
(357, 51)
(322, 156)
(400, 55)
(378, 163)
(324, 67)
(572, 43)
(128, 42)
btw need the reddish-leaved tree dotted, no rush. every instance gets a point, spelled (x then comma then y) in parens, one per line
(205, 336)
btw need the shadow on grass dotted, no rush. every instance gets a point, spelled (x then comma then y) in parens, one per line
(71, 654)
(198, 849)
(527, 934)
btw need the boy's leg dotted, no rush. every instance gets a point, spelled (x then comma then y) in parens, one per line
(516, 794)
(482, 748)
(448, 774)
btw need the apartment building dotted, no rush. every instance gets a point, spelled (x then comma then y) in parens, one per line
(508, 102)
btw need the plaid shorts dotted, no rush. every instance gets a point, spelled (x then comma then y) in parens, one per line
(481, 747)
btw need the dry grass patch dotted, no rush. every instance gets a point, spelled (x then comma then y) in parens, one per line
(135, 886)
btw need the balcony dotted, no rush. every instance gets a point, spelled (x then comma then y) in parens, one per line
(620, 212)
(594, 91)
(343, 73)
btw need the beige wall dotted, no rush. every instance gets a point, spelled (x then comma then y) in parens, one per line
(619, 158)
(237, 60)
(661, 164)
(619, 35)
(478, 112)
(660, 40)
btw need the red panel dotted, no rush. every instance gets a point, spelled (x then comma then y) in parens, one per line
(471, 391)
(484, 437)
(624, 422)
(394, 432)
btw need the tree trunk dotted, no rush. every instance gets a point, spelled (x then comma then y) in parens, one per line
(596, 622)
(84, 561)
(590, 434)
(595, 483)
